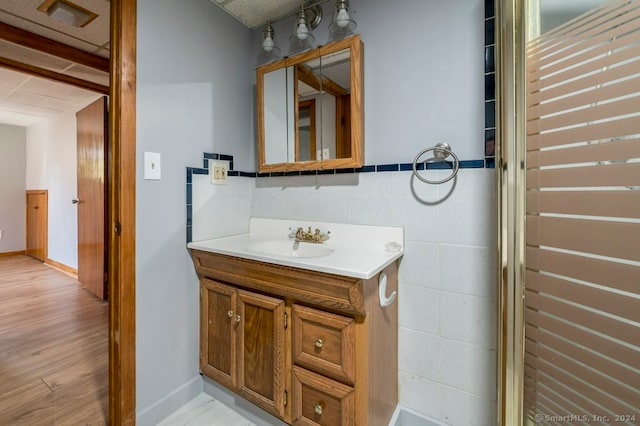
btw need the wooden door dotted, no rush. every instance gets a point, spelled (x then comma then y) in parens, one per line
(37, 224)
(261, 365)
(92, 133)
(217, 332)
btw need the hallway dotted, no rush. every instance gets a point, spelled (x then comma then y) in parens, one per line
(53, 347)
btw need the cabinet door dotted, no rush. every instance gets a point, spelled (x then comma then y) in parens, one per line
(261, 351)
(218, 320)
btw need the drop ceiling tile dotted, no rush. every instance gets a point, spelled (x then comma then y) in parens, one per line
(20, 107)
(74, 95)
(4, 91)
(32, 57)
(23, 101)
(11, 79)
(89, 74)
(18, 119)
(253, 13)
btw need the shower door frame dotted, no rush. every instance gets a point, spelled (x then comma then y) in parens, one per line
(511, 31)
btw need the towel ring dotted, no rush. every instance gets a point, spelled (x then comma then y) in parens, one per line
(440, 152)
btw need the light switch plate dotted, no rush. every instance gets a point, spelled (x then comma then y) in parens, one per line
(152, 165)
(218, 170)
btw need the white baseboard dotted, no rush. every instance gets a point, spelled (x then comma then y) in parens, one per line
(166, 406)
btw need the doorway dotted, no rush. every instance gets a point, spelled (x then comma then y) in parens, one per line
(120, 222)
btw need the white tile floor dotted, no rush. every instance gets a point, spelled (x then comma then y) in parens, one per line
(204, 410)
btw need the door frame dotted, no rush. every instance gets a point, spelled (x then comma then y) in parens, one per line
(121, 191)
(121, 194)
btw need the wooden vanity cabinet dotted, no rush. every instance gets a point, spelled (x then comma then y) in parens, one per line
(242, 343)
(310, 348)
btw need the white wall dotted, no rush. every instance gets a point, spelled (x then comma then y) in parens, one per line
(52, 165)
(194, 94)
(13, 151)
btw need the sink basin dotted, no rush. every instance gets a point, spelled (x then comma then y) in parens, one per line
(288, 248)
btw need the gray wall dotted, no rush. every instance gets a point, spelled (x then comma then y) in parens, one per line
(423, 84)
(13, 165)
(423, 74)
(194, 95)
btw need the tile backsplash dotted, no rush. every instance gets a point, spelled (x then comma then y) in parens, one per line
(447, 297)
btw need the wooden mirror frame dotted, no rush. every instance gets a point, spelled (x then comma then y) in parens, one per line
(356, 47)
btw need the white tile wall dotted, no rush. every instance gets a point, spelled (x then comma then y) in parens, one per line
(220, 210)
(447, 297)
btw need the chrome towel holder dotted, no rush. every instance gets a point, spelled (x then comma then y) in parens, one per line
(441, 151)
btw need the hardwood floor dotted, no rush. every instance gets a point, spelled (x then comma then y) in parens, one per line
(53, 347)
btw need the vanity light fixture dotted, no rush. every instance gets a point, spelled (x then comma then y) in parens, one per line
(301, 39)
(342, 24)
(268, 51)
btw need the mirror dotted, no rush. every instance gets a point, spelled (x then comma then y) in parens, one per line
(310, 109)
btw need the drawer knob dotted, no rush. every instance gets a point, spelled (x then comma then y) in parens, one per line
(319, 343)
(237, 318)
(229, 314)
(318, 409)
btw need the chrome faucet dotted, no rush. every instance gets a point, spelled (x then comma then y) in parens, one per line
(311, 237)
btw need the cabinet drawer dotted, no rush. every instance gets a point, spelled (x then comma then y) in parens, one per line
(324, 343)
(318, 400)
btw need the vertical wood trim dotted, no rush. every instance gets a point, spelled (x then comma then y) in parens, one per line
(122, 178)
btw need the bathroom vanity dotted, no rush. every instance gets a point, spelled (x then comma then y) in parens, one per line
(309, 336)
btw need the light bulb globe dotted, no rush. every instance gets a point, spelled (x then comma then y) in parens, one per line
(342, 20)
(302, 32)
(268, 44)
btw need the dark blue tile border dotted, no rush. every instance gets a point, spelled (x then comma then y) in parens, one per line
(388, 168)
(366, 169)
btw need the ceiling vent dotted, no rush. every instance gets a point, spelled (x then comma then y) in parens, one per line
(67, 12)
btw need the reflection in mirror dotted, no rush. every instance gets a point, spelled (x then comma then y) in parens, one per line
(306, 148)
(326, 80)
(278, 116)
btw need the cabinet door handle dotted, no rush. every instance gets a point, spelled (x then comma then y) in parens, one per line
(319, 343)
(237, 318)
(229, 314)
(318, 409)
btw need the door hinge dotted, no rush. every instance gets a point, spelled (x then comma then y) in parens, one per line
(118, 228)
(285, 398)
(286, 320)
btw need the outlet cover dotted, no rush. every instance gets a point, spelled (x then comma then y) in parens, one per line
(218, 171)
(152, 166)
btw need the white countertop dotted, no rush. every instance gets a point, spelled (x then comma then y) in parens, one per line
(359, 251)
